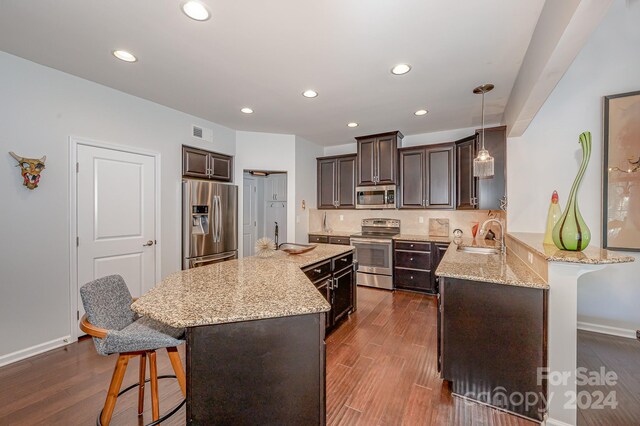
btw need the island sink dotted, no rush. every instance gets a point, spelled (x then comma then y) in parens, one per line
(480, 250)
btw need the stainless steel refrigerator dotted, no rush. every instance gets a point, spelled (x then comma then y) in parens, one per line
(209, 223)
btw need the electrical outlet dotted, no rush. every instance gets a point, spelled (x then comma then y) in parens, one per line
(530, 257)
(341, 217)
(420, 219)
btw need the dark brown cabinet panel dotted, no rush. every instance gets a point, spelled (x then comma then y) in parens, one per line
(440, 177)
(345, 241)
(318, 239)
(377, 158)
(412, 266)
(195, 162)
(326, 183)
(491, 191)
(199, 163)
(512, 330)
(346, 182)
(466, 183)
(343, 284)
(337, 182)
(412, 174)
(427, 177)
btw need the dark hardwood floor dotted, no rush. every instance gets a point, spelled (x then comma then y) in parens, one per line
(381, 370)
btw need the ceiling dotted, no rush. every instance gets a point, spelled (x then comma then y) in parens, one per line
(264, 54)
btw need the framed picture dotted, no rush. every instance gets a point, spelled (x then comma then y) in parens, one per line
(621, 172)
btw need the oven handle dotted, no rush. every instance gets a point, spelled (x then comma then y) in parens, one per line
(369, 241)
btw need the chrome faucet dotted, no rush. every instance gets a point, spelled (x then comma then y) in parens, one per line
(503, 248)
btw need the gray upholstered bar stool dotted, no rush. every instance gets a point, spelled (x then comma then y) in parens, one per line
(115, 328)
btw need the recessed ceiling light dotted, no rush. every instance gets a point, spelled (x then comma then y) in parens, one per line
(401, 69)
(196, 10)
(123, 55)
(352, 124)
(247, 110)
(309, 93)
(421, 112)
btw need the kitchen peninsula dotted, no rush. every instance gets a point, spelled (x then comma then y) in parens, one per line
(255, 336)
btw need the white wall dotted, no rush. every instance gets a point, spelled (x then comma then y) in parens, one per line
(546, 157)
(306, 184)
(39, 109)
(267, 151)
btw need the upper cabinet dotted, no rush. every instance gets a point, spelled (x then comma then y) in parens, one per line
(427, 177)
(199, 163)
(337, 182)
(481, 193)
(377, 158)
(276, 187)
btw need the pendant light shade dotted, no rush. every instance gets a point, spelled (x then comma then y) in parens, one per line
(483, 163)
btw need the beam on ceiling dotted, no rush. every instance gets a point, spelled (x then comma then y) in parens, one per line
(562, 30)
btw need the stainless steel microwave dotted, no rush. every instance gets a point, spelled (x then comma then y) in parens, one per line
(376, 197)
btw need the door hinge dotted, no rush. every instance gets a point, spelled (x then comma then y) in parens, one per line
(78, 315)
(77, 241)
(77, 167)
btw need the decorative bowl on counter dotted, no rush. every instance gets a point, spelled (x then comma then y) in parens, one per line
(292, 248)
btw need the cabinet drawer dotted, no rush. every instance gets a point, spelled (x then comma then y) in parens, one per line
(411, 245)
(339, 263)
(318, 271)
(412, 279)
(413, 259)
(318, 239)
(339, 240)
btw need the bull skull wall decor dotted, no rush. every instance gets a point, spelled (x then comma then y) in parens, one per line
(30, 169)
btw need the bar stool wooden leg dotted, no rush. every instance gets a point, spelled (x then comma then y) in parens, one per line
(114, 388)
(153, 372)
(142, 375)
(176, 363)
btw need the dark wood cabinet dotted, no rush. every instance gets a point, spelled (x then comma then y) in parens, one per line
(412, 266)
(492, 342)
(492, 191)
(342, 293)
(337, 182)
(427, 177)
(329, 239)
(439, 249)
(481, 193)
(465, 182)
(335, 280)
(199, 163)
(377, 158)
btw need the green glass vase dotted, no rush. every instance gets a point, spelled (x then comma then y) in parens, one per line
(571, 232)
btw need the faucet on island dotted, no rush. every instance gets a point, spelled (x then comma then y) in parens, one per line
(503, 248)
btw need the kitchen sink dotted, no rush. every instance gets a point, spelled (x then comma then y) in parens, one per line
(480, 250)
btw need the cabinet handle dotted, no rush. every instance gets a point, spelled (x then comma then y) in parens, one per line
(411, 277)
(317, 271)
(411, 259)
(411, 245)
(345, 259)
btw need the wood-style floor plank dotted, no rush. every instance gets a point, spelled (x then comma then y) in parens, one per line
(381, 370)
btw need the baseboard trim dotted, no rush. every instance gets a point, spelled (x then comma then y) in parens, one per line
(605, 329)
(553, 422)
(34, 350)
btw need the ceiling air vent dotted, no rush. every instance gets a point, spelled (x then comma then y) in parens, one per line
(197, 132)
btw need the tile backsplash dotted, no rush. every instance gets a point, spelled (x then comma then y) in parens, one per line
(409, 219)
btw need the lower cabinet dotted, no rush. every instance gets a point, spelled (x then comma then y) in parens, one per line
(335, 280)
(415, 264)
(329, 239)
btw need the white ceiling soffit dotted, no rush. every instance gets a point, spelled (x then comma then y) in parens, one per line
(560, 34)
(264, 54)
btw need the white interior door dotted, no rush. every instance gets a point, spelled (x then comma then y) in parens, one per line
(116, 217)
(276, 212)
(249, 216)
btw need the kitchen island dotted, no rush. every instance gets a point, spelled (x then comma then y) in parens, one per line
(255, 337)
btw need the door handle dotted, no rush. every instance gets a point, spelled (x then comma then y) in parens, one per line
(149, 243)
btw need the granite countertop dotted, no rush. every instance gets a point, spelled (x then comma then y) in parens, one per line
(333, 233)
(238, 290)
(591, 255)
(425, 238)
(494, 268)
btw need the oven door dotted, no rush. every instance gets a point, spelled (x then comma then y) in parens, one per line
(373, 255)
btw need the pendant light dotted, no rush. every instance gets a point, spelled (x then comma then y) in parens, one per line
(483, 163)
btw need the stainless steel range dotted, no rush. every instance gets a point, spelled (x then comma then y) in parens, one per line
(374, 251)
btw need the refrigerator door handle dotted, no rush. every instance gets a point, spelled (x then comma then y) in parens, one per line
(219, 217)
